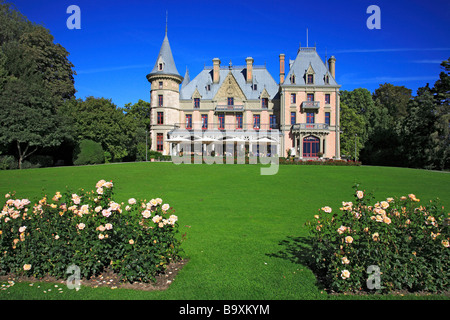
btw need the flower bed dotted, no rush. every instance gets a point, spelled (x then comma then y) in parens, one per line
(136, 240)
(329, 162)
(391, 245)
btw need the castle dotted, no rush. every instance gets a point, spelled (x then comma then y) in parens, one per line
(234, 104)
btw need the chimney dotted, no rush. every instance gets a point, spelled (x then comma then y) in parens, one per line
(281, 68)
(249, 61)
(332, 66)
(216, 70)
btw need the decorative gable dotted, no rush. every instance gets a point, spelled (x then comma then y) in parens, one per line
(196, 94)
(264, 94)
(310, 70)
(309, 75)
(230, 88)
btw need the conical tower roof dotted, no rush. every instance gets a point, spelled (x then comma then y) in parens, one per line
(165, 65)
(187, 79)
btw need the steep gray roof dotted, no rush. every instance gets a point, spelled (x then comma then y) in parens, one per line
(307, 57)
(261, 77)
(186, 79)
(165, 55)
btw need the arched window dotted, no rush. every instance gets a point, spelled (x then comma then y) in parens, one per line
(311, 146)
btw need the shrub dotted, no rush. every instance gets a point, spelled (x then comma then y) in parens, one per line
(89, 229)
(88, 152)
(41, 161)
(8, 162)
(390, 245)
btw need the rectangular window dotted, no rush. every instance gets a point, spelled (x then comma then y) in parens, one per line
(273, 121)
(264, 103)
(293, 117)
(239, 121)
(160, 100)
(160, 84)
(293, 98)
(327, 98)
(221, 121)
(159, 142)
(231, 101)
(310, 97)
(189, 121)
(310, 117)
(327, 118)
(310, 79)
(196, 103)
(204, 121)
(256, 121)
(160, 117)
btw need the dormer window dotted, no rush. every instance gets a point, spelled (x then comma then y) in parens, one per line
(327, 79)
(160, 66)
(255, 87)
(293, 79)
(309, 75)
(264, 103)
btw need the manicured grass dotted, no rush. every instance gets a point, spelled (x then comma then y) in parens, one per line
(245, 231)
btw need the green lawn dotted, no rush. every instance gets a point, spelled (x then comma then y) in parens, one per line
(241, 227)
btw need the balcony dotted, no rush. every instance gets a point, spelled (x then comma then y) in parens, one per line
(309, 127)
(311, 105)
(198, 126)
(229, 108)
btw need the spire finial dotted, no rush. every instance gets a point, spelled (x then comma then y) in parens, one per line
(166, 20)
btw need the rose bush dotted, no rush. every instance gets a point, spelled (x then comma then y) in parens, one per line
(405, 239)
(136, 240)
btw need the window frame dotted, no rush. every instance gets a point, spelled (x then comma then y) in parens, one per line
(256, 121)
(293, 117)
(293, 98)
(239, 118)
(188, 123)
(272, 121)
(221, 119)
(160, 117)
(204, 121)
(327, 118)
(159, 142)
(196, 103)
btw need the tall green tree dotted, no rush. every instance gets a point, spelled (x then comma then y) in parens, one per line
(361, 102)
(441, 93)
(352, 126)
(28, 118)
(418, 131)
(99, 120)
(36, 76)
(394, 98)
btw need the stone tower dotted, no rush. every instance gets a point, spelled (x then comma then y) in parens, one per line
(164, 98)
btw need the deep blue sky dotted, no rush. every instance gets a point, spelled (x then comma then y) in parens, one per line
(119, 41)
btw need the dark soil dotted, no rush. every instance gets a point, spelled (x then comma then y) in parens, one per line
(112, 280)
